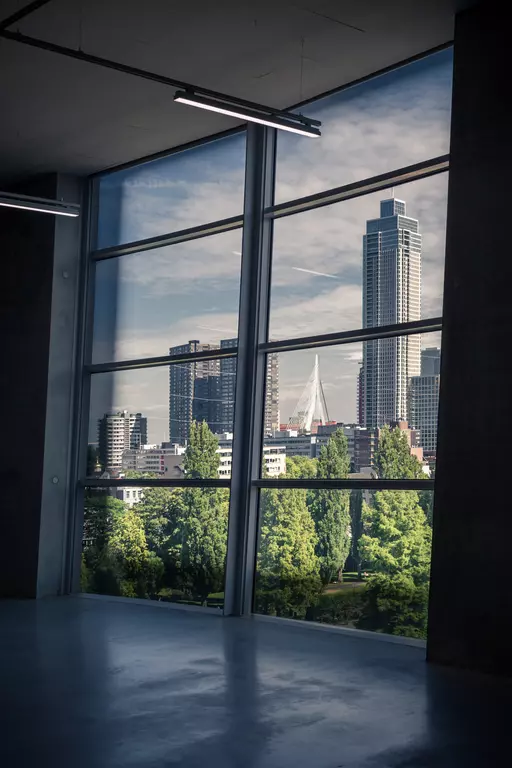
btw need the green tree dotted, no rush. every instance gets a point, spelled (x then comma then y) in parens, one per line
(301, 467)
(198, 541)
(356, 529)
(397, 538)
(393, 458)
(395, 605)
(133, 474)
(288, 569)
(331, 510)
(138, 569)
(159, 511)
(99, 511)
(201, 458)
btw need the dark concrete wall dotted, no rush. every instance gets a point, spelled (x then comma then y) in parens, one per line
(26, 246)
(470, 620)
(39, 256)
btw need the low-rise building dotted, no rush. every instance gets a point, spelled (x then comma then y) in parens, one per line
(128, 495)
(153, 459)
(274, 457)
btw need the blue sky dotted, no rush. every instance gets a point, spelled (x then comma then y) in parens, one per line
(149, 301)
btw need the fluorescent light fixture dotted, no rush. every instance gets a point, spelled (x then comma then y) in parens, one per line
(39, 204)
(305, 128)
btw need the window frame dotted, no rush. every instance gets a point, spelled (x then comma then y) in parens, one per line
(256, 221)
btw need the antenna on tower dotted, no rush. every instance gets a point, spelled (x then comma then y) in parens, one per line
(312, 405)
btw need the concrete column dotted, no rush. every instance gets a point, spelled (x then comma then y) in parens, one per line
(38, 321)
(470, 619)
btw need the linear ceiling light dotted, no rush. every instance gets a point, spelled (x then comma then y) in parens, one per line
(39, 204)
(293, 123)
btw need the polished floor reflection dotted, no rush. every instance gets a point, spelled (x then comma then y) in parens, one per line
(93, 683)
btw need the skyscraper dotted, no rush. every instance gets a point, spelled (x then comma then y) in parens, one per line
(205, 391)
(117, 432)
(228, 388)
(194, 392)
(430, 361)
(424, 398)
(391, 294)
(271, 422)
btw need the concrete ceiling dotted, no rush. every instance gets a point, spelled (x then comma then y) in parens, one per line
(59, 114)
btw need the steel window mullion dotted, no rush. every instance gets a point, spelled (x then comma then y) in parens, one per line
(170, 238)
(251, 370)
(350, 337)
(394, 178)
(162, 360)
(82, 392)
(155, 483)
(348, 484)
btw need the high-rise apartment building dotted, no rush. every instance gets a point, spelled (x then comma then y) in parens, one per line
(194, 392)
(205, 391)
(271, 422)
(117, 432)
(424, 398)
(227, 387)
(391, 294)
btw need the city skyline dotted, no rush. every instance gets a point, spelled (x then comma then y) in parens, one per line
(150, 301)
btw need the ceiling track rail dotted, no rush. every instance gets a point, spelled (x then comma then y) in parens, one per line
(88, 58)
(22, 13)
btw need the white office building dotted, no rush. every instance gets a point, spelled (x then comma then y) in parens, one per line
(274, 457)
(128, 496)
(151, 458)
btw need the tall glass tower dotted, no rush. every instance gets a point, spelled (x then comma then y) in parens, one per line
(391, 294)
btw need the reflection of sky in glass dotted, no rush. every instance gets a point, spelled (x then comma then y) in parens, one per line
(147, 302)
(386, 123)
(168, 296)
(172, 193)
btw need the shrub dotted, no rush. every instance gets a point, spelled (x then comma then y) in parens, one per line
(342, 607)
(394, 604)
(288, 598)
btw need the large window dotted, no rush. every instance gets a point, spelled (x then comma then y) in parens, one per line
(160, 386)
(313, 500)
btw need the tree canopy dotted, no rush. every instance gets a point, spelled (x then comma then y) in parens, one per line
(397, 537)
(201, 457)
(301, 467)
(331, 509)
(393, 458)
(287, 578)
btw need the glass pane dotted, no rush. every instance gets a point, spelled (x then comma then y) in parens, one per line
(381, 125)
(352, 558)
(165, 544)
(360, 410)
(147, 302)
(172, 193)
(172, 422)
(373, 260)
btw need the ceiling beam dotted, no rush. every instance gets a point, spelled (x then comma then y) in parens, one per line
(25, 11)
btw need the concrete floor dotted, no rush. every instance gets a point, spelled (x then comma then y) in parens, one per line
(89, 683)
